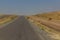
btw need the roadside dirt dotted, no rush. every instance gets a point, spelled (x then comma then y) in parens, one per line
(48, 23)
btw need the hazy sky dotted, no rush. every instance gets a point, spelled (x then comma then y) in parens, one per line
(28, 6)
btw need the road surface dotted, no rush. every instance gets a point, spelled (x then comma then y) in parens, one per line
(20, 29)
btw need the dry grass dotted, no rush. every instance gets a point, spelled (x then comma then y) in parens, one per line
(55, 17)
(6, 18)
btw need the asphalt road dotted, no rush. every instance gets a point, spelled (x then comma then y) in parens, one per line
(20, 29)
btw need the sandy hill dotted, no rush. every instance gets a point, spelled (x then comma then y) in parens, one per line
(54, 15)
(51, 16)
(49, 22)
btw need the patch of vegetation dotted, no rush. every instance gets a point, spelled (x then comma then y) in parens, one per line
(52, 16)
(6, 18)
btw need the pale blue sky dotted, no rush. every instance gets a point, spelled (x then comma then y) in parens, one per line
(28, 6)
